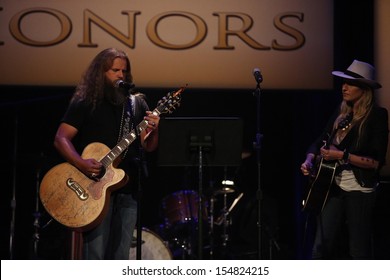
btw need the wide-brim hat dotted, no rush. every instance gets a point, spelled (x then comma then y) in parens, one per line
(361, 72)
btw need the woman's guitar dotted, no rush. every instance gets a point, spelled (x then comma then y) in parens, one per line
(322, 174)
(80, 202)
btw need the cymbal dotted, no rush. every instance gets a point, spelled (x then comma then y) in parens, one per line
(224, 190)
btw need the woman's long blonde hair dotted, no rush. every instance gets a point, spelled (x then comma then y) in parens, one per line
(359, 111)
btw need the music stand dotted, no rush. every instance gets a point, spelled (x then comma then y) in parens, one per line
(200, 141)
(176, 135)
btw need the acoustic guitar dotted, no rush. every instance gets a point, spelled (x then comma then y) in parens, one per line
(80, 202)
(322, 174)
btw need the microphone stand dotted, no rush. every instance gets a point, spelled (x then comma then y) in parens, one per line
(142, 169)
(13, 200)
(257, 146)
(37, 213)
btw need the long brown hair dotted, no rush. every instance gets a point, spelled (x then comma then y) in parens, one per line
(93, 82)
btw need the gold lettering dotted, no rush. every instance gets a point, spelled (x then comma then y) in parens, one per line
(296, 34)
(224, 32)
(14, 26)
(201, 31)
(90, 17)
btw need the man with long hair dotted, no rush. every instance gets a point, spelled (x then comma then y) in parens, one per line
(100, 111)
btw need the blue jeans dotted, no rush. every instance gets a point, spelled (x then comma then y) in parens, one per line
(112, 238)
(353, 209)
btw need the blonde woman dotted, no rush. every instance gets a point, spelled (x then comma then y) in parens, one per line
(353, 146)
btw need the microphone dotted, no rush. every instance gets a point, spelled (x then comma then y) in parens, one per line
(258, 76)
(122, 84)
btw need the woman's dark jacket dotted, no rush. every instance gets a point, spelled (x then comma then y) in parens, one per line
(372, 143)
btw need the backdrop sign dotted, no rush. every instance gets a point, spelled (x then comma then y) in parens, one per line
(207, 44)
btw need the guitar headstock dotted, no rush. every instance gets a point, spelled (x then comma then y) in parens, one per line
(170, 102)
(345, 123)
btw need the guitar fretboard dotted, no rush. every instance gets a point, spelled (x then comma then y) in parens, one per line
(127, 140)
(165, 105)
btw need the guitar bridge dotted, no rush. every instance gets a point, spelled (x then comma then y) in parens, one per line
(79, 191)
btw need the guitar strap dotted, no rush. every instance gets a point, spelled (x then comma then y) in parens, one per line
(127, 121)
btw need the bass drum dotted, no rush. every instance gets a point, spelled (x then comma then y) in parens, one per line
(152, 248)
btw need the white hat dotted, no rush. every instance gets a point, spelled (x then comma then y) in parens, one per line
(361, 72)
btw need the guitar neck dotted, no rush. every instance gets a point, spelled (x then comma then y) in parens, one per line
(343, 124)
(126, 141)
(330, 139)
(167, 104)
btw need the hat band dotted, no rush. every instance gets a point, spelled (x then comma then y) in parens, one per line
(353, 74)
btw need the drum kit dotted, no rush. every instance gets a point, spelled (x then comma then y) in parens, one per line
(177, 237)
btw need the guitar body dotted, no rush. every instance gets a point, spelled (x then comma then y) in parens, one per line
(324, 173)
(74, 199)
(320, 186)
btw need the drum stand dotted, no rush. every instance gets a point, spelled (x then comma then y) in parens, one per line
(37, 216)
(185, 247)
(212, 200)
(226, 223)
(223, 219)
